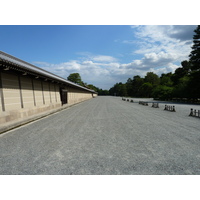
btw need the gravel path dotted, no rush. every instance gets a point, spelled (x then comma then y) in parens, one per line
(105, 135)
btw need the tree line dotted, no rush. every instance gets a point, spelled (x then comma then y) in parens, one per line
(76, 78)
(184, 83)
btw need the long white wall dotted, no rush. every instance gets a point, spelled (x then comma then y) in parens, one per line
(25, 96)
(75, 95)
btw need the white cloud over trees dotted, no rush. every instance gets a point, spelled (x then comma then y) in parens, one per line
(162, 49)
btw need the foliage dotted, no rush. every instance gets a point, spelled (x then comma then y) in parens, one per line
(195, 53)
(146, 89)
(183, 83)
(181, 88)
(166, 79)
(75, 78)
(194, 82)
(119, 89)
(152, 78)
(163, 92)
(194, 85)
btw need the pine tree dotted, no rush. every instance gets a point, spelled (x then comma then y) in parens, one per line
(195, 53)
(194, 82)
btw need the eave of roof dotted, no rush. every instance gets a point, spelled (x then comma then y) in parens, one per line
(25, 66)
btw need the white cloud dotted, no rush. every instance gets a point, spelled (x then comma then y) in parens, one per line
(97, 58)
(171, 39)
(162, 48)
(163, 70)
(102, 58)
(105, 75)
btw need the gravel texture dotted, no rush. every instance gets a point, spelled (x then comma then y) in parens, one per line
(106, 135)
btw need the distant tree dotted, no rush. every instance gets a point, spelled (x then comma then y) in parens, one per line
(194, 82)
(92, 87)
(129, 87)
(152, 78)
(195, 53)
(194, 85)
(137, 83)
(183, 83)
(123, 90)
(186, 66)
(146, 89)
(181, 72)
(163, 92)
(181, 89)
(150, 82)
(103, 92)
(166, 79)
(119, 89)
(75, 78)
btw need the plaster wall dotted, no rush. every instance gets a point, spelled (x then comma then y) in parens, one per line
(25, 97)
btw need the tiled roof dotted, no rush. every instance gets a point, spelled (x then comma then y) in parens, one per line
(27, 67)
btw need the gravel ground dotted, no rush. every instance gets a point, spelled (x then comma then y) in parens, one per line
(106, 135)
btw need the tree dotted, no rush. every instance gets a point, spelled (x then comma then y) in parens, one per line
(119, 89)
(151, 81)
(129, 87)
(92, 87)
(146, 89)
(75, 78)
(183, 83)
(194, 85)
(194, 82)
(181, 89)
(186, 66)
(152, 78)
(137, 83)
(163, 92)
(195, 53)
(166, 79)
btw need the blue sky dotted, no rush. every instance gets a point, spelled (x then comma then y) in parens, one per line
(101, 54)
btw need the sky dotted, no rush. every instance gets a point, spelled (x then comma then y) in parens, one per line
(102, 54)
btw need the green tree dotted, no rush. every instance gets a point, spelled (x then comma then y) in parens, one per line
(119, 89)
(129, 87)
(151, 81)
(163, 92)
(194, 85)
(181, 72)
(123, 90)
(183, 83)
(181, 90)
(92, 87)
(152, 78)
(75, 78)
(195, 53)
(146, 89)
(166, 79)
(137, 83)
(186, 66)
(194, 82)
